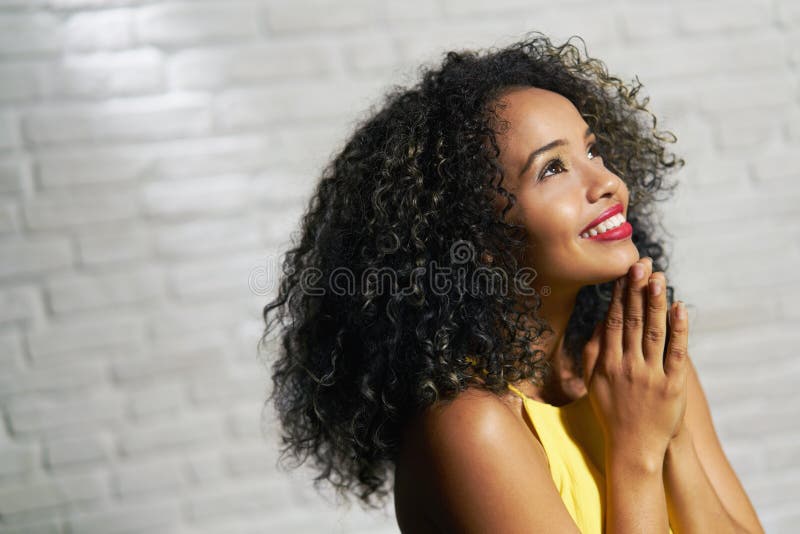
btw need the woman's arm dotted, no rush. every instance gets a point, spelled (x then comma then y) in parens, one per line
(635, 498)
(479, 469)
(703, 492)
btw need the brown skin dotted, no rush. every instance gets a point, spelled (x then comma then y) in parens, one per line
(452, 480)
(555, 202)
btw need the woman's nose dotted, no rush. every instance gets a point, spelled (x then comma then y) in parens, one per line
(601, 182)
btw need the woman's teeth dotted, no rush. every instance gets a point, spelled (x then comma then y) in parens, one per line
(608, 224)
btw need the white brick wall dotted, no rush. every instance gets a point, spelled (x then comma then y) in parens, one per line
(154, 153)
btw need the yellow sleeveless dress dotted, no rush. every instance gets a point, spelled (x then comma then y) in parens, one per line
(573, 442)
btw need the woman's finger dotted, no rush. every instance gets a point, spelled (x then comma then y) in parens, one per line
(634, 306)
(591, 351)
(678, 349)
(655, 329)
(612, 335)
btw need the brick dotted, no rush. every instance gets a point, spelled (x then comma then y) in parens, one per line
(40, 495)
(787, 302)
(15, 175)
(67, 5)
(401, 11)
(34, 255)
(595, 23)
(68, 293)
(112, 245)
(415, 49)
(215, 156)
(456, 8)
(91, 165)
(222, 67)
(187, 23)
(60, 379)
(10, 353)
(9, 130)
(700, 56)
(20, 303)
(777, 163)
(132, 119)
(773, 89)
(241, 108)
(647, 21)
(183, 434)
(246, 421)
(22, 81)
(17, 461)
(252, 460)
(788, 14)
(303, 150)
(205, 467)
(38, 526)
(295, 188)
(722, 16)
(10, 222)
(174, 358)
(61, 208)
(228, 276)
(148, 478)
(222, 389)
(157, 516)
(108, 74)
(206, 237)
(779, 520)
(30, 33)
(64, 416)
(781, 453)
(76, 451)
(186, 319)
(370, 54)
(34, 496)
(110, 29)
(751, 127)
(283, 17)
(278, 226)
(243, 500)
(151, 400)
(85, 333)
(200, 196)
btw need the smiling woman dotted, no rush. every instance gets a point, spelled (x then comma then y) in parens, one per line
(566, 405)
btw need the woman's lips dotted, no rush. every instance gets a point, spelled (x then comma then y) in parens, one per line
(620, 232)
(610, 212)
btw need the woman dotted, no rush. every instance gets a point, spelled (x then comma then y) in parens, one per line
(455, 328)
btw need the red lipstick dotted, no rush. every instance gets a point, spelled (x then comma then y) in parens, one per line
(610, 212)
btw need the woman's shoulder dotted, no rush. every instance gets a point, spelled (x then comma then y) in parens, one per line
(471, 423)
(478, 408)
(457, 451)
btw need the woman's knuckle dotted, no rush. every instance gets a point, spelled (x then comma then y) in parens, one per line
(614, 321)
(634, 320)
(653, 333)
(677, 351)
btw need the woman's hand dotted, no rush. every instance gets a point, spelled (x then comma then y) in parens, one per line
(637, 392)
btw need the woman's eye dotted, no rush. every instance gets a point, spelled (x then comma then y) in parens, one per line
(593, 149)
(556, 163)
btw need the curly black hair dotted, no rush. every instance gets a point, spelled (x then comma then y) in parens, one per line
(415, 179)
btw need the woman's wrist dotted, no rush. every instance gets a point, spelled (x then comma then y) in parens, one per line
(680, 442)
(634, 459)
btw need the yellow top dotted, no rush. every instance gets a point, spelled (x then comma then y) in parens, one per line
(573, 442)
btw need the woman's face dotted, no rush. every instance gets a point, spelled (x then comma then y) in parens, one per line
(561, 191)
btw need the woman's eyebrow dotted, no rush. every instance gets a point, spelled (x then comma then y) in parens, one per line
(549, 146)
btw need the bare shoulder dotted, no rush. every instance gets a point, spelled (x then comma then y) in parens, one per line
(474, 467)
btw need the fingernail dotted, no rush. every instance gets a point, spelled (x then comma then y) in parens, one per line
(638, 271)
(622, 282)
(681, 310)
(655, 288)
